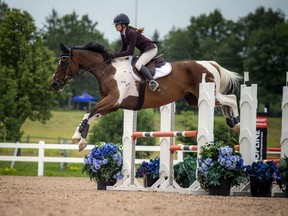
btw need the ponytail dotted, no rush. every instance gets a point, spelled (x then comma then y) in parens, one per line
(140, 30)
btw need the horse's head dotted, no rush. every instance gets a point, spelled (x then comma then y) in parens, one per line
(66, 69)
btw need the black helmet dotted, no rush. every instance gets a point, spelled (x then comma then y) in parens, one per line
(121, 19)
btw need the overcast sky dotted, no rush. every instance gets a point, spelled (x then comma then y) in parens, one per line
(162, 15)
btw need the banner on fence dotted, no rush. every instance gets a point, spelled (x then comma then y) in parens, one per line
(261, 135)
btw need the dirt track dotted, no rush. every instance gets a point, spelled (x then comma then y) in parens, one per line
(78, 196)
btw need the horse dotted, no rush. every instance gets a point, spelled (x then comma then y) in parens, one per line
(120, 90)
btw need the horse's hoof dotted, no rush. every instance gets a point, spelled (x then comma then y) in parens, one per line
(230, 122)
(236, 128)
(82, 146)
(76, 135)
(74, 141)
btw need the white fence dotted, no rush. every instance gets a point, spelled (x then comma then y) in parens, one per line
(41, 158)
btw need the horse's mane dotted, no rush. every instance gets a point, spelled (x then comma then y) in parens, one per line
(95, 47)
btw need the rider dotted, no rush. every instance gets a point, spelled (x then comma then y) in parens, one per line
(132, 37)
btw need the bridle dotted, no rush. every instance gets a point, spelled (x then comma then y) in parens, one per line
(67, 66)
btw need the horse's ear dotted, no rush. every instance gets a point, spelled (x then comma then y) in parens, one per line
(63, 48)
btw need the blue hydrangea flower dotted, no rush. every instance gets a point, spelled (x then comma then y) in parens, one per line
(104, 161)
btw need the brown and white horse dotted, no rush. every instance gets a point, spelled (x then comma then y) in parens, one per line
(119, 89)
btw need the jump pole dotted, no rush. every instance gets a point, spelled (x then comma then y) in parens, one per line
(284, 128)
(128, 182)
(276, 192)
(206, 106)
(248, 111)
(206, 103)
(247, 136)
(166, 180)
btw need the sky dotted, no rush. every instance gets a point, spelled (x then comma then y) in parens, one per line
(161, 15)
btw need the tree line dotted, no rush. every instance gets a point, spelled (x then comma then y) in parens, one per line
(256, 43)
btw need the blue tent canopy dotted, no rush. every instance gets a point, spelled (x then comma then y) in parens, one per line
(84, 98)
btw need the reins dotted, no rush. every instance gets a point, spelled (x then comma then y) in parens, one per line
(67, 67)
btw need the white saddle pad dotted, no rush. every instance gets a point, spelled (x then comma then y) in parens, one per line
(159, 72)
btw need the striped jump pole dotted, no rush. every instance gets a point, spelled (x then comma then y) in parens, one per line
(180, 147)
(165, 134)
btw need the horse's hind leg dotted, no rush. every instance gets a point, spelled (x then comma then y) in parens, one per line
(228, 105)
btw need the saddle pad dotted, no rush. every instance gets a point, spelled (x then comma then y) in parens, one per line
(159, 72)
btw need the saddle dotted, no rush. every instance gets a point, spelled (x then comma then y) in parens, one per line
(156, 62)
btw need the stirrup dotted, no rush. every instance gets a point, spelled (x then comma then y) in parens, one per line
(153, 85)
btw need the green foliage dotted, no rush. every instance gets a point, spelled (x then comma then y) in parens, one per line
(283, 169)
(256, 43)
(189, 121)
(265, 50)
(185, 172)
(26, 66)
(220, 160)
(8, 171)
(269, 58)
(109, 128)
(30, 169)
(73, 30)
(224, 133)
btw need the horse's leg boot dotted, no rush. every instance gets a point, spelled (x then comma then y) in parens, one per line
(152, 82)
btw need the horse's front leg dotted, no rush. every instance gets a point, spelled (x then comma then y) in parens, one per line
(104, 107)
(77, 135)
(84, 129)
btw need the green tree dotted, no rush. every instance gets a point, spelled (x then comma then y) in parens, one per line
(208, 37)
(73, 30)
(266, 52)
(26, 66)
(217, 40)
(179, 45)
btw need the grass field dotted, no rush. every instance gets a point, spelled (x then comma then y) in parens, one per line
(62, 125)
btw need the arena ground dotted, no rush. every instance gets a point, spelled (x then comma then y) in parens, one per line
(78, 196)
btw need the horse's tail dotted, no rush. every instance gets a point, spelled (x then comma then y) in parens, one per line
(229, 81)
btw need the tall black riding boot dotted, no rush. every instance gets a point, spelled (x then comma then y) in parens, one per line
(153, 85)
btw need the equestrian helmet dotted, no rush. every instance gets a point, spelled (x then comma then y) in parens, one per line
(121, 19)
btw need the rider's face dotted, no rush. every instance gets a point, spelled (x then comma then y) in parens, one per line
(118, 27)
